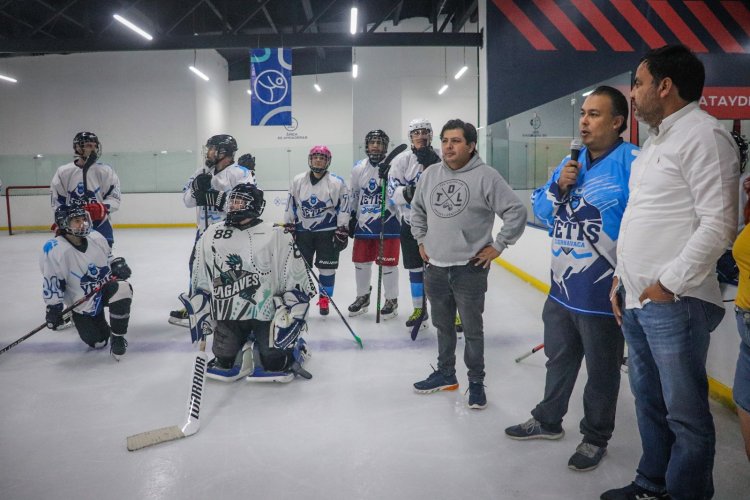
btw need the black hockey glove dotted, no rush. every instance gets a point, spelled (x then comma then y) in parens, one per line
(340, 238)
(409, 192)
(383, 170)
(211, 198)
(54, 317)
(201, 183)
(120, 269)
(352, 224)
(426, 156)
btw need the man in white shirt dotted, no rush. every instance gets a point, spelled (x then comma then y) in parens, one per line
(681, 215)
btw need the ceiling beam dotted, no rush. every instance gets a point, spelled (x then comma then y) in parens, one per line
(314, 28)
(224, 22)
(320, 14)
(393, 9)
(250, 17)
(397, 14)
(65, 16)
(289, 40)
(52, 18)
(458, 25)
(184, 16)
(269, 18)
(24, 23)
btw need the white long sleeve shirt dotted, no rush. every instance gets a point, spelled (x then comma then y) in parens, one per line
(682, 210)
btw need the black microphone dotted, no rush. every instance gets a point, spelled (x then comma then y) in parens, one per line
(575, 149)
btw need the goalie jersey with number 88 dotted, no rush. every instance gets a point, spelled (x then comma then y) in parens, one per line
(242, 269)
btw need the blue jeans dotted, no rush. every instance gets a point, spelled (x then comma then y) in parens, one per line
(741, 390)
(459, 288)
(668, 344)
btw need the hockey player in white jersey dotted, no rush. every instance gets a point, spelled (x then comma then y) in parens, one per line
(89, 183)
(73, 264)
(402, 182)
(365, 226)
(206, 191)
(317, 213)
(244, 270)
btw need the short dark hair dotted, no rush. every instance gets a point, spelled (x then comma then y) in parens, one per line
(470, 131)
(681, 65)
(620, 105)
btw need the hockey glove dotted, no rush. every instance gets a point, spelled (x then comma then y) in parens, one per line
(340, 238)
(120, 269)
(54, 316)
(426, 156)
(97, 211)
(409, 192)
(211, 198)
(383, 169)
(352, 224)
(201, 183)
(289, 227)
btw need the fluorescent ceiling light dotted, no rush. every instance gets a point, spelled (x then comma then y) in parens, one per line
(588, 93)
(198, 72)
(249, 92)
(317, 87)
(353, 24)
(443, 89)
(8, 79)
(461, 72)
(355, 70)
(133, 27)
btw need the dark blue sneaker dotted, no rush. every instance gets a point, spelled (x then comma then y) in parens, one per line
(531, 429)
(477, 398)
(436, 382)
(633, 492)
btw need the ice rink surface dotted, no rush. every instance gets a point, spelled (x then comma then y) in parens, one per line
(355, 431)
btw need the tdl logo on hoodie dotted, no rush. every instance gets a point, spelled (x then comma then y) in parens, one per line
(449, 198)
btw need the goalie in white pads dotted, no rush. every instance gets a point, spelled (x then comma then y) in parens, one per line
(246, 276)
(73, 264)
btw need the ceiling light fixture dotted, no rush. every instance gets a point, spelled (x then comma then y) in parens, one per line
(195, 70)
(445, 72)
(353, 23)
(133, 27)
(8, 79)
(463, 69)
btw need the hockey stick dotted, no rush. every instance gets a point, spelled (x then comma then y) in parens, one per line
(64, 311)
(192, 414)
(320, 287)
(524, 356)
(383, 183)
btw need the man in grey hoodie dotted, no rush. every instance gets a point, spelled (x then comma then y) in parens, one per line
(453, 212)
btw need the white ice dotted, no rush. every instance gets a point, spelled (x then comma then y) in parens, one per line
(355, 431)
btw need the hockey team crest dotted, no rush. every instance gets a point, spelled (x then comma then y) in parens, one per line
(449, 198)
(236, 281)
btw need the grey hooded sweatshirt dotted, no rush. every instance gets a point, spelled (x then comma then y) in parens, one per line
(453, 212)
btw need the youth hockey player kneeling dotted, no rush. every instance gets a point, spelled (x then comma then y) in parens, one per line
(246, 276)
(75, 263)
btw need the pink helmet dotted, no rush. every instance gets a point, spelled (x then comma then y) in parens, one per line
(322, 151)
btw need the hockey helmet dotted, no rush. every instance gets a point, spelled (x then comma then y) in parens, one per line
(319, 151)
(375, 137)
(64, 214)
(245, 201)
(247, 160)
(80, 140)
(420, 124)
(225, 146)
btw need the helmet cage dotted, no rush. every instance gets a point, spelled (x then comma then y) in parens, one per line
(319, 151)
(375, 137)
(244, 202)
(420, 125)
(79, 142)
(64, 215)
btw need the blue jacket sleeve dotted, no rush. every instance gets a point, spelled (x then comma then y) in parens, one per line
(547, 198)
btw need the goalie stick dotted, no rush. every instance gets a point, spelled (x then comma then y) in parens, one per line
(383, 183)
(418, 323)
(65, 311)
(192, 414)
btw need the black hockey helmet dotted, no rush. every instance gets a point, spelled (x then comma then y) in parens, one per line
(247, 160)
(245, 201)
(374, 135)
(65, 213)
(82, 138)
(225, 145)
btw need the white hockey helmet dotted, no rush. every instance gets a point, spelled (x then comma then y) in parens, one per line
(420, 124)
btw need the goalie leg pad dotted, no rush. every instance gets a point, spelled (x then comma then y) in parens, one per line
(198, 307)
(289, 321)
(242, 367)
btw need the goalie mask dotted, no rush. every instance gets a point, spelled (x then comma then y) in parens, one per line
(85, 143)
(245, 201)
(217, 148)
(73, 220)
(376, 145)
(319, 159)
(420, 133)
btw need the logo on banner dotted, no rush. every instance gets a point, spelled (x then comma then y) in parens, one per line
(271, 81)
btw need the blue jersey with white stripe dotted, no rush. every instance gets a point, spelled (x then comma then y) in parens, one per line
(584, 224)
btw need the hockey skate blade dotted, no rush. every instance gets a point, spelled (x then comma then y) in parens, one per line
(156, 436)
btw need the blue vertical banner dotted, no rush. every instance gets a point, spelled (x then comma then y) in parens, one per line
(271, 82)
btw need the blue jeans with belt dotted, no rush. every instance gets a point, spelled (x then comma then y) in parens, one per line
(459, 288)
(668, 344)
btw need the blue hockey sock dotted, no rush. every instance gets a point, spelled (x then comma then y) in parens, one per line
(416, 279)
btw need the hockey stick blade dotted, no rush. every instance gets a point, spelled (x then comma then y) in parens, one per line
(192, 415)
(394, 153)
